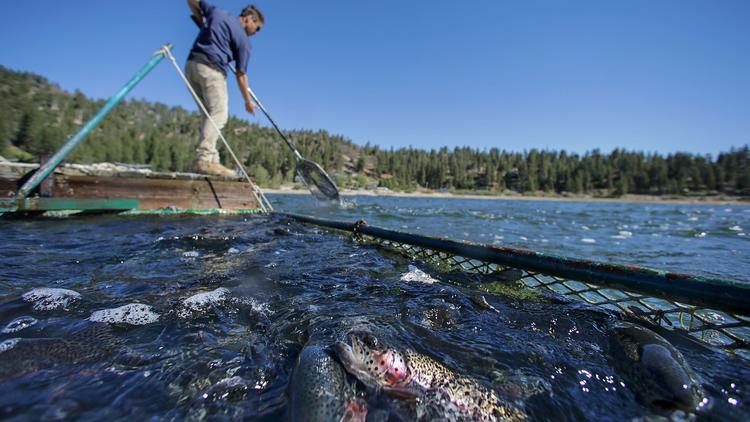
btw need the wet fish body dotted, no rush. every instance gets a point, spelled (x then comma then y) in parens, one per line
(439, 392)
(92, 344)
(319, 390)
(658, 373)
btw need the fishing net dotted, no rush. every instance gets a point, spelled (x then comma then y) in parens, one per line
(725, 329)
(317, 181)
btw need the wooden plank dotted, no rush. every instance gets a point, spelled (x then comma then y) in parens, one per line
(154, 193)
(7, 187)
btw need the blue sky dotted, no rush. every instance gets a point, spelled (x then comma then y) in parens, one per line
(649, 75)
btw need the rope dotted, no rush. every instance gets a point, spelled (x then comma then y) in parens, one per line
(255, 190)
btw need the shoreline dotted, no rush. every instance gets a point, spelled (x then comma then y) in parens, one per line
(644, 199)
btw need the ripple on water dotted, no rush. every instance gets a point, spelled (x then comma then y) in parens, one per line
(47, 298)
(19, 324)
(8, 344)
(132, 314)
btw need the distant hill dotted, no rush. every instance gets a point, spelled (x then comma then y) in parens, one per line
(36, 117)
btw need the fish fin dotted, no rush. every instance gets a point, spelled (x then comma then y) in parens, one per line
(356, 411)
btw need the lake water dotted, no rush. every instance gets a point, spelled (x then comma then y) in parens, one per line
(710, 240)
(204, 317)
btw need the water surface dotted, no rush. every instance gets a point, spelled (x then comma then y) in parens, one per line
(232, 301)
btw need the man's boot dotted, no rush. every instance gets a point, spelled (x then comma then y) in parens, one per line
(213, 169)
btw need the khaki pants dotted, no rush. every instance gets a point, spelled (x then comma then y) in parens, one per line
(211, 87)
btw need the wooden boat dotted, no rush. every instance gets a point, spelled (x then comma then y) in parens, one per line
(118, 187)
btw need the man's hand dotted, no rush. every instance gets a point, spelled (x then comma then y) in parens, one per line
(250, 107)
(244, 90)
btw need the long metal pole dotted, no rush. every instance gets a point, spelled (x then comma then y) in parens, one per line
(49, 166)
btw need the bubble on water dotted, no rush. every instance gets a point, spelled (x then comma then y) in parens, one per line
(8, 344)
(255, 305)
(133, 314)
(201, 301)
(48, 298)
(191, 254)
(233, 251)
(19, 324)
(415, 274)
(588, 240)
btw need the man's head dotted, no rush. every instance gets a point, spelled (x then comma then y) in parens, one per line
(252, 20)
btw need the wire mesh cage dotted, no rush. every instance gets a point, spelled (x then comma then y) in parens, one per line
(715, 312)
(728, 331)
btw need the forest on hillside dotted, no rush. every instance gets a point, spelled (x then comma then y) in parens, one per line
(36, 117)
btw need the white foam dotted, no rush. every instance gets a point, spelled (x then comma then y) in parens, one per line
(625, 233)
(191, 254)
(199, 302)
(415, 274)
(133, 314)
(736, 228)
(256, 306)
(588, 240)
(48, 298)
(19, 324)
(8, 344)
(233, 251)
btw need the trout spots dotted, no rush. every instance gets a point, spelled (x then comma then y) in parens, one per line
(443, 393)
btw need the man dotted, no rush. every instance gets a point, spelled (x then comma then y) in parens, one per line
(223, 38)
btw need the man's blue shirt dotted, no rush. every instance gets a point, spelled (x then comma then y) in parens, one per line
(222, 39)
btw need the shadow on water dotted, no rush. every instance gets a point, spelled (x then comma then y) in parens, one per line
(229, 303)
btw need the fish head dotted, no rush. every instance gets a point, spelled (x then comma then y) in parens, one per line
(659, 374)
(373, 363)
(674, 384)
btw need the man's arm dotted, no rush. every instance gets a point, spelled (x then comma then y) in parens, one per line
(195, 9)
(242, 83)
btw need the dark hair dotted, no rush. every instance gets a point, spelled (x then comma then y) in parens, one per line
(252, 10)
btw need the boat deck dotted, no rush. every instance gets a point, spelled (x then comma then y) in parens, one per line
(112, 186)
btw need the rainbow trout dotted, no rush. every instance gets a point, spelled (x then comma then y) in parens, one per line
(93, 344)
(439, 392)
(658, 373)
(319, 391)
